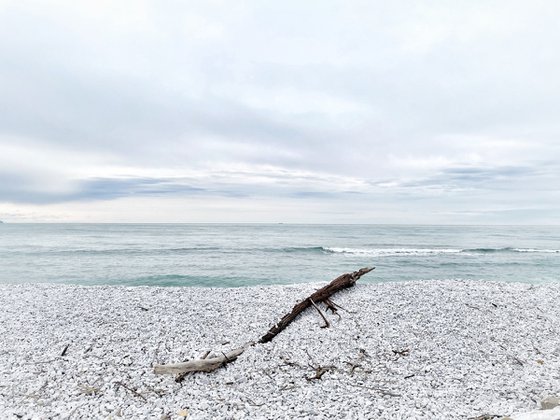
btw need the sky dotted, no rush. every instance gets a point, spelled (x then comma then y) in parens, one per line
(280, 111)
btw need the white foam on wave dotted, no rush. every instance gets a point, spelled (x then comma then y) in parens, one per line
(545, 251)
(384, 252)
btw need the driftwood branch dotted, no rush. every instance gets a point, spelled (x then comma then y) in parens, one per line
(212, 363)
(340, 283)
(200, 365)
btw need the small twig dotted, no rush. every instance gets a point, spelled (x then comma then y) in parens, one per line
(308, 355)
(472, 306)
(289, 387)
(319, 372)
(518, 360)
(288, 362)
(327, 324)
(143, 308)
(353, 366)
(90, 389)
(410, 376)
(65, 350)
(341, 307)
(43, 386)
(40, 362)
(131, 390)
(333, 307)
(268, 374)
(253, 403)
(403, 352)
(537, 350)
(363, 353)
(330, 305)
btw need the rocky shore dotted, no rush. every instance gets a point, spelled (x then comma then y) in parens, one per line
(418, 350)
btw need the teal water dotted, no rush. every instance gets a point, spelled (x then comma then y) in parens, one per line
(240, 255)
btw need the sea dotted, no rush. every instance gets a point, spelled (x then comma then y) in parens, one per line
(234, 255)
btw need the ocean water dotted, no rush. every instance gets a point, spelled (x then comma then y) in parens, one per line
(256, 254)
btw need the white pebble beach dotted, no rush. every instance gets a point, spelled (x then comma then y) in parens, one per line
(412, 350)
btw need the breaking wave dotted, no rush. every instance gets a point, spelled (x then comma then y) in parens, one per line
(388, 252)
(510, 249)
(384, 252)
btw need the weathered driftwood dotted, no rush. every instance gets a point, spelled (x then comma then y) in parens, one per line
(200, 365)
(212, 363)
(324, 293)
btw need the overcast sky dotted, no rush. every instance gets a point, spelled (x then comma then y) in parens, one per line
(280, 111)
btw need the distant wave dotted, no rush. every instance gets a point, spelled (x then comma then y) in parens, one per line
(126, 251)
(189, 249)
(386, 252)
(369, 252)
(510, 249)
(309, 249)
(546, 251)
(488, 250)
(389, 252)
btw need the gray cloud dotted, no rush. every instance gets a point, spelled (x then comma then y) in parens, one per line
(360, 98)
(485, 178)
(16, 188)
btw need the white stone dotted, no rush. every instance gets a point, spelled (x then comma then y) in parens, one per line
(550, 402)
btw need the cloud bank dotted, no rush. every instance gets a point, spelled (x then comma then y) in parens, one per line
(332, 112)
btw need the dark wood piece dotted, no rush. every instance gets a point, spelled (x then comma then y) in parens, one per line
(342, 282)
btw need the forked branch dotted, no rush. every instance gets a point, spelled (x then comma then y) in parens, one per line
(322, 295)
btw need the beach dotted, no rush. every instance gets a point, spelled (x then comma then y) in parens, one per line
(451, 349)
(190, 183)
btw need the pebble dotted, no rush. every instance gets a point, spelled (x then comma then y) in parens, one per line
(550, 402)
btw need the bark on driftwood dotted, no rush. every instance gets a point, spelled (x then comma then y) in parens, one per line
(212, 363)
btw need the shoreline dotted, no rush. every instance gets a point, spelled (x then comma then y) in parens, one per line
(422, 349)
